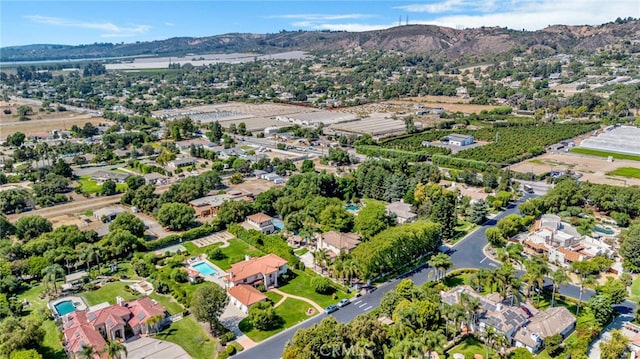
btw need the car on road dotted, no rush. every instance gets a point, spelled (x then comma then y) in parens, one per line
(343, 303)
(330, 309)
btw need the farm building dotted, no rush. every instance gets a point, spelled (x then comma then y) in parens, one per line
(460, 140)
(621, 139)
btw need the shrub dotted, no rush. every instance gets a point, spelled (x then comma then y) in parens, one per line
(216, 254)
(321, 285)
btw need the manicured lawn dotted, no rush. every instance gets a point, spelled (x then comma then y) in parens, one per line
(89, 186)
(235, 253)
(51, 343)
(470, 347)
(108, 293)
(168, 303)
(635, 289)
(293, 311)
(543, 355)
(274, 297)
(300, 251)
(301, 286)
(188, 334)
(631, 172)
(591, 152)
(32, 295)
(462, 229)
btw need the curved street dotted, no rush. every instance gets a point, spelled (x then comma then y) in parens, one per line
(467, 253)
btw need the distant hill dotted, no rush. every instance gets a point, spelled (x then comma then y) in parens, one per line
(431, 39)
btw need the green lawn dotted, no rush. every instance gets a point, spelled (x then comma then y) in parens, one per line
(301, 286)
(235, 253)
(191, 337)
(462, 229)
(293, 311)
(108, 293)
(635, 290)
(274, 297)
(168, 303)
(470, 347)
(301, 251)
(620, 156)
(543, 355)
(631, 172)
(89, 186)
(52, 345)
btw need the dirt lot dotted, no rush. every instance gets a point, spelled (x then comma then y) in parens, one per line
(593, 169)
(41, 121)
(254, 185)
(408, 105)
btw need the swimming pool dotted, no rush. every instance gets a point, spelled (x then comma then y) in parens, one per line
(65, 307)
(352, 207)
(606, 231)
(204, 268)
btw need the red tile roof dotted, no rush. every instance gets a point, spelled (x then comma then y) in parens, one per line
(254, 266)
(259, 218)
(143, 309)
(246, 294)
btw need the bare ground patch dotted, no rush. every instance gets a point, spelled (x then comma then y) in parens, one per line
(593, 169)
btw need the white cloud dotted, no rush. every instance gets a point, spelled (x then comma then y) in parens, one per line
(109, 29)
(535, 15)
(170, 24)
(352, 27)
(445, 6)
(321, 17)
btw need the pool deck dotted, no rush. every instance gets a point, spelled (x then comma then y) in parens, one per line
(217, 278)
(78, 302)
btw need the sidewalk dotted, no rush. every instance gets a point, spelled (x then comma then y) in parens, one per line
(287, 295)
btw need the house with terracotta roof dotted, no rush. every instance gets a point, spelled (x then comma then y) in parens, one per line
(547, 323)
(261, 222)
(336, 242)
(244, 296)
(110, 322)
(255, 271)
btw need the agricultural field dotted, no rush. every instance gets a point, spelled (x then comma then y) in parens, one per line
(631, 172)
(513, 144)
(598, 153)
(41, 121)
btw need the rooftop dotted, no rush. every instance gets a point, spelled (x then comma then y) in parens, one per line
(259, 265)
(246, 294)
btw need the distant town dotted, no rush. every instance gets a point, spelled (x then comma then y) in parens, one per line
(322, 204)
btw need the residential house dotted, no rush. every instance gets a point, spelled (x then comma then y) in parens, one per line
(196, 142)
(255, 271)
(102, 176)
(337, 242)
(556, 320)
(244, 296)
(260, 222)
(110, 322)
(402, 212)
(182, 162)
(155, 178)
(227, 153)
(210, 205)
(108, 214)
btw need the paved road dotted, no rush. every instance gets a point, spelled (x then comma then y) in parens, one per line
(467, 253)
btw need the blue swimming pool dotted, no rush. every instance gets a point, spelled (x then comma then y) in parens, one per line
(606, 231)
(352, 207)
(64, 307)
(204, 268)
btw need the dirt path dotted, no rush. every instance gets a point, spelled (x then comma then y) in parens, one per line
(286, 295)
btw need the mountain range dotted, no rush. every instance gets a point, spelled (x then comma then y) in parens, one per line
(435, 40)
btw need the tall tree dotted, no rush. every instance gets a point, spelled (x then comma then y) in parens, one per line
(615, 347)
(444, 212)
(51, 274)
(559, 277)
(115, 350)
(30, 227)
(207, 303)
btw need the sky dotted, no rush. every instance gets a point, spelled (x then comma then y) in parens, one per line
(71, 22)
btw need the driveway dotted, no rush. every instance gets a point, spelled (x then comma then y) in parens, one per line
(150, 348)
(617, 323)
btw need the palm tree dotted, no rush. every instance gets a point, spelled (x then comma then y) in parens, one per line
(115, 350)
(534, 276)
(153, 322)
(321, 257)
(433, 341)
(50, 275)
(350, 270)
(441, 262)
(88, 352)
(586, 280)
(559, 277)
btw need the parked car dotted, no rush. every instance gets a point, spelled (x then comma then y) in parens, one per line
(343, 303)
(330, 309)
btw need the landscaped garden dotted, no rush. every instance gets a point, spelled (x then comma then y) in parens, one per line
(301, 286)
(233, 253)
(469, 347)
(108, 293)
(87, 185)
(192, 337)
(292, 311)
